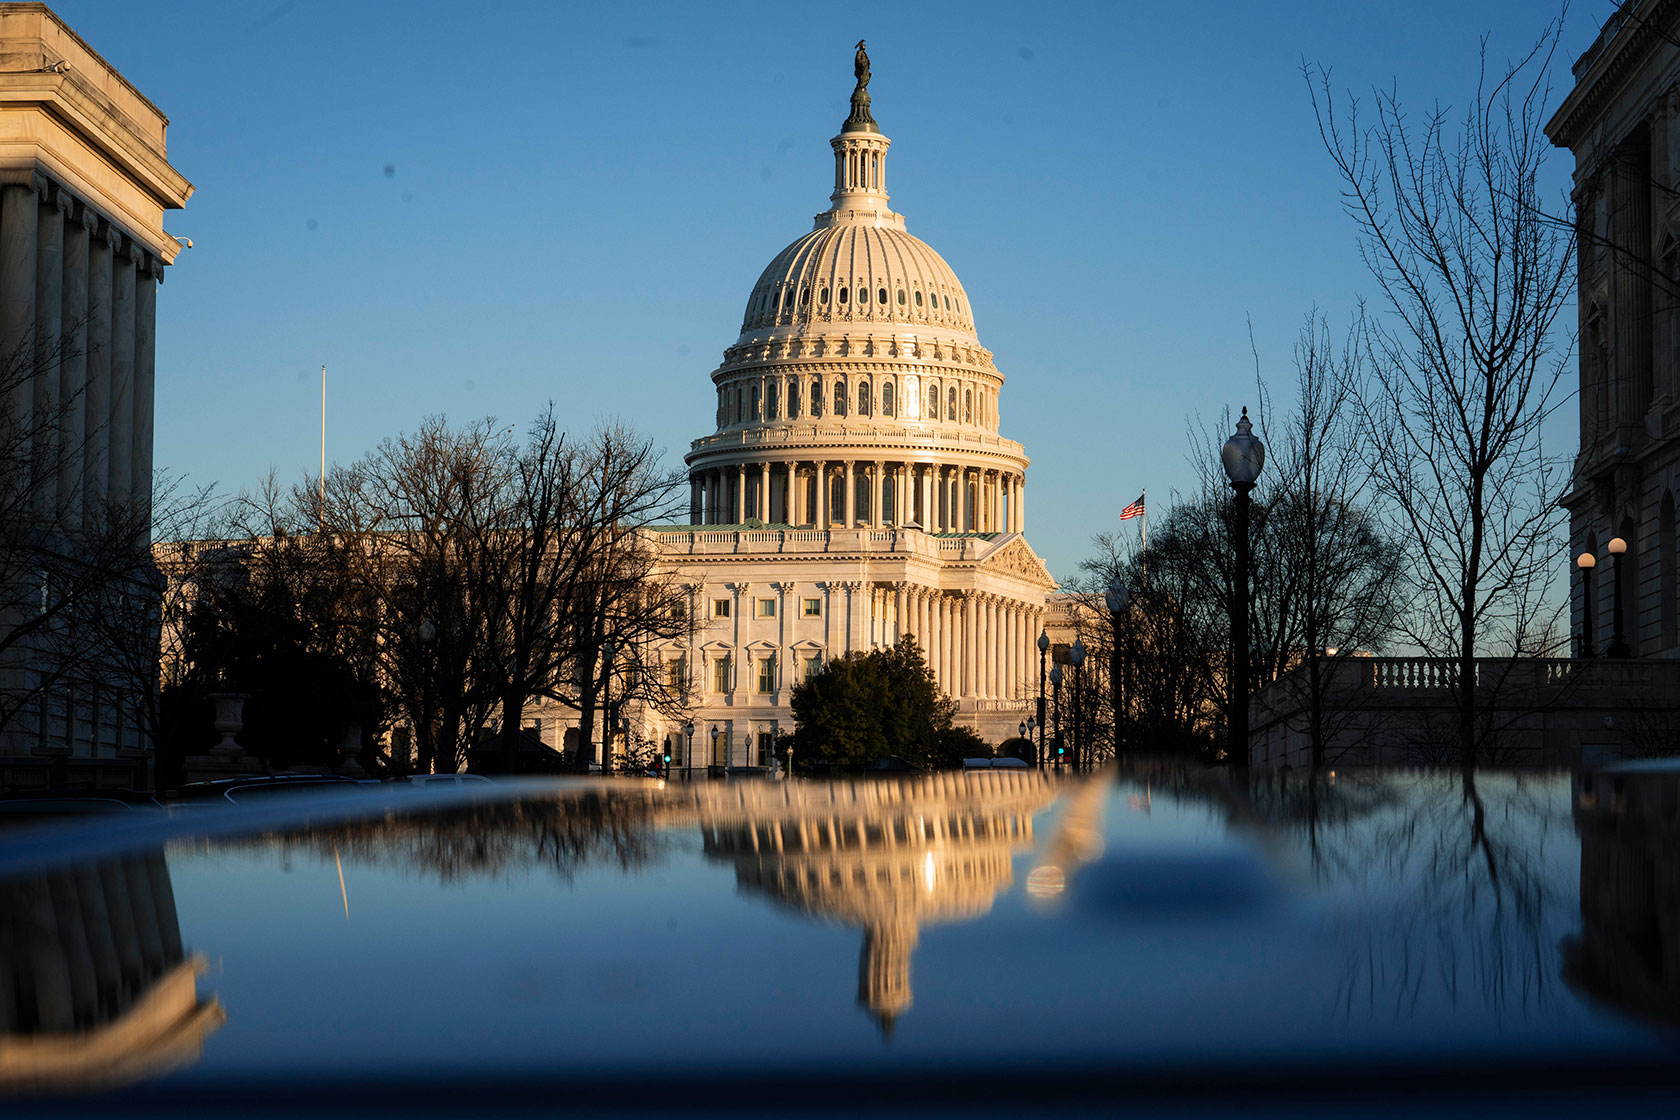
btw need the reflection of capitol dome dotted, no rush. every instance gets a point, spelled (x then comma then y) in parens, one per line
(887, 857)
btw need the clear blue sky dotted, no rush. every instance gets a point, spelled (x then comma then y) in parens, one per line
(473, 208)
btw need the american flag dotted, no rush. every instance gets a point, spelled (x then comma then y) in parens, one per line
(1133, 510)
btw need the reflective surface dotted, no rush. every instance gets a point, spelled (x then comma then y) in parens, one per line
(990, 922)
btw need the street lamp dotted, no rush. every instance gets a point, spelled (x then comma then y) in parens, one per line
(1586, 562)
(688, 754)
(1081, 744)
(1043, 648)
(1056, 696)
(1618, 641)
(607, 651)
(1117, 597)
(711, 761)
(1243, 455)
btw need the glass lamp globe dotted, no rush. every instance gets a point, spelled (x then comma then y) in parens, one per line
(1117, 596)
(1243, 454)
(1043, 640)
(1076, 655)
(1586, 560)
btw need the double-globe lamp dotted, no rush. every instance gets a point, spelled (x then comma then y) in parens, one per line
(1243, 456)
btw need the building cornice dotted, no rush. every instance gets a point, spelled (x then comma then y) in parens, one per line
(1628, 39)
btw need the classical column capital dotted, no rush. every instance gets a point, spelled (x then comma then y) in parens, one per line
(26, 177)
(154, 269)
(110, 235)
(133, 251)
(88, 217)
(63, 201)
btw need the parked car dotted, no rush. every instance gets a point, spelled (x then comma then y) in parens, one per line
(260, 787)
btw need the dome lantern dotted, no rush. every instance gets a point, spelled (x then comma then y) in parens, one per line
(860, 158)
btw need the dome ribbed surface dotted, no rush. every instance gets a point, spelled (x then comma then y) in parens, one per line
(839, 274)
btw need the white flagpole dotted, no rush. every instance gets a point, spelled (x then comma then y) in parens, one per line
(323, 443)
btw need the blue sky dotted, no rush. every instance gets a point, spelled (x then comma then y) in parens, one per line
(472, 209)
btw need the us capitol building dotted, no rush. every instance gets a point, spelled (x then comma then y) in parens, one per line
(856, 489)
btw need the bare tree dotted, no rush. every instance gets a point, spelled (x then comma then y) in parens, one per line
(1464, 368)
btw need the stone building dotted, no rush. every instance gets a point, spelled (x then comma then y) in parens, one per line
(856, 489)
(85, 180)
(1622, 122)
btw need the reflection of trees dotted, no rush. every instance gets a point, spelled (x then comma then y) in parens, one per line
(95, 987)
(557, 835)
(1447, 873)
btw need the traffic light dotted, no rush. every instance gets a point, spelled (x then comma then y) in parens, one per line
(667, 759)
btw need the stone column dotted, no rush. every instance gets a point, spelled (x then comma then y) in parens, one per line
(1021, 500)
(941, 643)
(740, 493)
(97, 400)
(763, 502)
(850, 495)
(19, 244)
(789, 497)
(822, 494)
(694, 499)
(876, 488)
(49, 309)
(900, 618)
(72, 369)
(122, 373)
(145, 377)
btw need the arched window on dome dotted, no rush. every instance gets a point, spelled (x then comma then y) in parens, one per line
(839, 398)
(723, 407)
(901, 297)
(882, 296)
(918, 297)
(947, 303)
(816, 400)
(837, 499)
(804, 296)
(772, 402)
(754, 413)
(933, 401)
(845, 295)
(951, 403)
(793, 400)
(740, 405)
(968, 406)
(863, 294)
(822, 297)
(865, 398)
(886, 398)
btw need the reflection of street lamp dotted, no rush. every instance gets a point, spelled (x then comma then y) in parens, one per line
(1081, 739)
(1043, 648)
(1056, 697)
(1617, 548)
(1117, 597)
(1243, 456)
(1586, 562)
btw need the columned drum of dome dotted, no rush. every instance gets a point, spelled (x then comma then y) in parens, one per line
(855, 491)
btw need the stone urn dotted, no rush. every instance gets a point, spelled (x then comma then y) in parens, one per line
(230, 720)
(348, 750)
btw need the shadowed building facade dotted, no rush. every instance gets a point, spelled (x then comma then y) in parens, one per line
(84, 183)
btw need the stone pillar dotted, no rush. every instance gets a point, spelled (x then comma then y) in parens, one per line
(789, 498)
(876, 488)
(822, 494)
(694, 487)
(122, 373)
(850, 505)
(740, 512)
(1021, 501)
(901, 620)
(97, 400)
(971, 647)
(72, 368)
(145, 378)
(763, 502)
(19, 244)
(49, 309)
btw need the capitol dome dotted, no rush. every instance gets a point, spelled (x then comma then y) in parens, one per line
(857, 394)
(858, 272)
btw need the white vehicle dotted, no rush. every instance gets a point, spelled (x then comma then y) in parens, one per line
(447, 781)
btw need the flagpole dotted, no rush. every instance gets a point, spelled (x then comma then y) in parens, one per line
(1143, 526)
(323, 443)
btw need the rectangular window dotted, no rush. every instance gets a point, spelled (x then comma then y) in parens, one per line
(720, 608)
(813, 666)
(720, 674)
(767, 608)
(675, 676)
(767, 674)
(813, 608)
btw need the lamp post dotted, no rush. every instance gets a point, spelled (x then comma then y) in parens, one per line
(1243, 456)
(1618, 641)
(1117, 598)
(1081, 739)
(607, 651)
(1056, 696)
(688, 752)
(1586, 562)
(711, 760)
(1043, 648)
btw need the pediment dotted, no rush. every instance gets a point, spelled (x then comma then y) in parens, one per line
(1018, 559)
